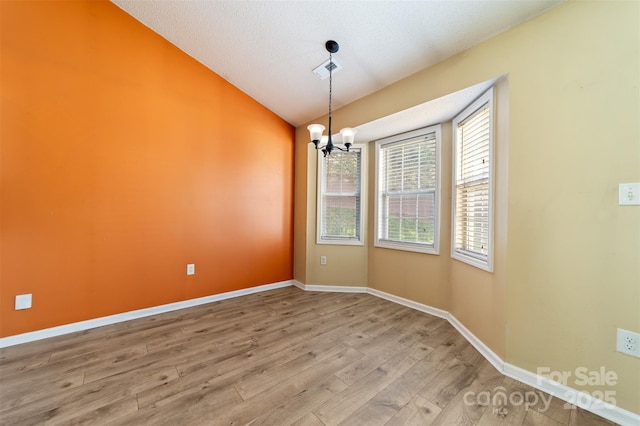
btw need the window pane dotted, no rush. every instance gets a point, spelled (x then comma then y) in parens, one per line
(472, 218)
(341, 213)
(407, 185)
(472, 197)
(411, 217)
(339, 198)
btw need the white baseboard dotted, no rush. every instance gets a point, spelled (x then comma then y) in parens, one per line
(140, 313)
(572, 396)
(484, 350)
(409, 303)
(330, 288)
(563, 392)
(491, 356)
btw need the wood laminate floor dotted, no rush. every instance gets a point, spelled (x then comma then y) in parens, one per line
(282, 357)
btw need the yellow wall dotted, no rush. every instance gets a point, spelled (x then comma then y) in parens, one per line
(567, 270)
(346, 265)
(423, 278)
(478, 297)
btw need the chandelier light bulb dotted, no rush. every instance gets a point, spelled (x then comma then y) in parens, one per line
(316, 132)
(348, 135)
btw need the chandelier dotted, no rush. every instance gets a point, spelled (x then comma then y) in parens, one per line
(348, 134)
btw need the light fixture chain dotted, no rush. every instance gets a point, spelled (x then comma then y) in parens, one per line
(330, 80)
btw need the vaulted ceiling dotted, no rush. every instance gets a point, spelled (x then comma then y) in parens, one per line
(268, 48)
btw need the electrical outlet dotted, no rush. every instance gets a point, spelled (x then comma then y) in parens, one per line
(323, 260)
(191, 268)
(628, 342)
(23, 301)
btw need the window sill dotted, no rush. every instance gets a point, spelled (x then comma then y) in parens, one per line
(340, 242)
(485, 265)
(414, 247)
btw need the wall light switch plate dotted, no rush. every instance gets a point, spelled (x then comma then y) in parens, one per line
(23, 301)
(191, 268)
(629, 194)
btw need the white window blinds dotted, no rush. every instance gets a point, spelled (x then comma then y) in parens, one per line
(472, 213)
(340, 197)
(407, 199)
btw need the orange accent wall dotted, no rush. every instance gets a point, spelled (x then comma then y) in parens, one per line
(123, 159)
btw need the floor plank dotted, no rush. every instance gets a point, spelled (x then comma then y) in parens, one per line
(281, 357)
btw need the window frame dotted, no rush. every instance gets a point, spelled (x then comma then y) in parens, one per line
(405, 245)
(487, 98)
(346, 241)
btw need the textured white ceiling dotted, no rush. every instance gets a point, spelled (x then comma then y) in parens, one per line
(268, 48)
